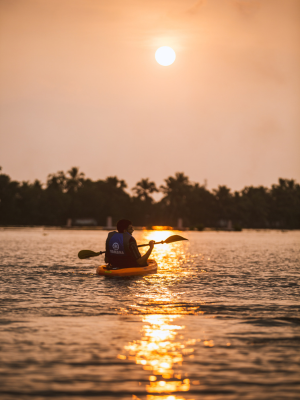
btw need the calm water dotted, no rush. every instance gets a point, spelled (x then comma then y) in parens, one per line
(220, 319)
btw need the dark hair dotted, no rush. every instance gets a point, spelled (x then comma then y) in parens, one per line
(123, 224)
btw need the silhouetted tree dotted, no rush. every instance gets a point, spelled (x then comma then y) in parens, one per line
(144, 188)
(71, 195)
(285, 209)
(74, 180)
(223, 202)
(174, 203)
(9, 196)
(142, 204)
(254, 207)
(57, 181)
(201, 207)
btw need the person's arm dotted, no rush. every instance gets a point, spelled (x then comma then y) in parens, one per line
(141, 261)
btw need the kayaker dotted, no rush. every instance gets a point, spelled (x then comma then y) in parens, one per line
(122, 250)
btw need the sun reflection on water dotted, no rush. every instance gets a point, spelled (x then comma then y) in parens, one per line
(158, 293)
(162, 353)
(169, 257)
(162, 348)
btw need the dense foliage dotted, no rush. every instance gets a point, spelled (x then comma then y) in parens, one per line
(72, 196)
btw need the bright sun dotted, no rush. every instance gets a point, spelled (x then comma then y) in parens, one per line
(165, 56)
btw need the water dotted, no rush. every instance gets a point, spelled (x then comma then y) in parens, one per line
(220, 319)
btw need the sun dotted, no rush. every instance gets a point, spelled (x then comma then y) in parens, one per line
(165, 56)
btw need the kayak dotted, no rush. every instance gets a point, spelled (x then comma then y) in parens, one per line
(110, 273)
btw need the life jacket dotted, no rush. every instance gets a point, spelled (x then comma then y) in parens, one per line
(118, 253)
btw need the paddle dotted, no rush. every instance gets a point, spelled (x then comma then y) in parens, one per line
(89, 253)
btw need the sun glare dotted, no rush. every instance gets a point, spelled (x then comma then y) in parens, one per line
(165, 56)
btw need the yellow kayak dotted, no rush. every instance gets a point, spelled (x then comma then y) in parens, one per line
(110, 273)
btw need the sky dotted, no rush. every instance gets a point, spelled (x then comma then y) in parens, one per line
(80, 86)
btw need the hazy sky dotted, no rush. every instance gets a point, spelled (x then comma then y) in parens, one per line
(80, 87)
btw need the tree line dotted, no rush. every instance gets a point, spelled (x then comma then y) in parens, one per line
(70, 195)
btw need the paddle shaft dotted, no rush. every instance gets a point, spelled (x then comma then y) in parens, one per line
(88, 253)
(143, 245)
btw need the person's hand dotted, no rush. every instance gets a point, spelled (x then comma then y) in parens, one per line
(151, 244)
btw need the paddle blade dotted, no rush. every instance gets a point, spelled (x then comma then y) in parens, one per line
(87, 254)
(174, 238)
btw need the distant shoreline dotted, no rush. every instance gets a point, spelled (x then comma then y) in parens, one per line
(70, 200)
(138, 228)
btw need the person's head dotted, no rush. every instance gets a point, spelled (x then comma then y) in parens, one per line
(124, 225)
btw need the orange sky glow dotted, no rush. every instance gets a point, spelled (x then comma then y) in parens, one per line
(80, 87)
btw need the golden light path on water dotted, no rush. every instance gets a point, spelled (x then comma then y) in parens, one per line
(161, 351)
(162, 348)
(172, 260)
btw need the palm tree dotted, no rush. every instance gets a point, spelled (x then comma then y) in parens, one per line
(116, 183)
(176, 191)
(144, 188)
(75, 180)
(57, 181)
(175, 188)
(286, 203)
(224, 202)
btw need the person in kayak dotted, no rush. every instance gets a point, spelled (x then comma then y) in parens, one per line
(122, 250)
